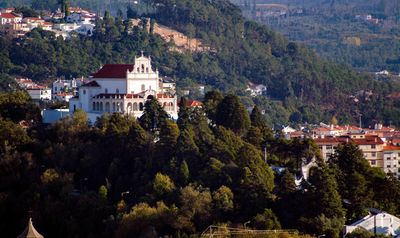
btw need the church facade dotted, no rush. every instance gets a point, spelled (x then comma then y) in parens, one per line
(124, 88)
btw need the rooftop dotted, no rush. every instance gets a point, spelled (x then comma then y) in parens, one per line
(113, 71)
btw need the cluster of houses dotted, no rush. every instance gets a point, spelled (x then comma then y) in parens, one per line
(380, 145)
(79, 21)
(61, 90)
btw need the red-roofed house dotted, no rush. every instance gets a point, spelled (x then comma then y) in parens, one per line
(391, 157)
(124, 88)
(9, 18)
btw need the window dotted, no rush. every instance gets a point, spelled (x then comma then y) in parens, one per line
(84, 92)
(388, 158)
(320, 147)
(373, 146)
(94, 106)
(388, 166)
(55, 89)
(373, 154)
(328, 147)
(143, 87)
(328, 155)
(117, 90)
(373, 162)
(106, 90)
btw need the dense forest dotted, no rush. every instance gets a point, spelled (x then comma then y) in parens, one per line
(154, 177)
(330, 28)
(301, 87)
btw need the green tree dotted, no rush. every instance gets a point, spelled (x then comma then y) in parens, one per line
(211, 101)
(153, 116)
(266, 221)
(163, 184)
(233, 115)
(183, 114)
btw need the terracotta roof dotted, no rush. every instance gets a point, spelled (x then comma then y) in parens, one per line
(91, 84)
(113, 71)
(391, 147)
(194, 103)
(369, 140)
(34, 18)
(8, 15)
(327, 141)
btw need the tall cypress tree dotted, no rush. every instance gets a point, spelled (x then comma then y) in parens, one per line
(183, 114)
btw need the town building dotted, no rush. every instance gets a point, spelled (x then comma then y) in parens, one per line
(377, 222)
(39, 92)
(9, 18)
(256, 89)
(391, 157)
(124, 88)
(66, 85)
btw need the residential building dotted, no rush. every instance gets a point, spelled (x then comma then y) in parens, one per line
(9, 18)
(39, 92)
(370, 145)
(66, 85)
(391, 159)
(256, 89)
(372, 148)
(63, 97)
(124, 88)
(377, 222)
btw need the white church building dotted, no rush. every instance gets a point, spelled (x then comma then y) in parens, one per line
(124, 88)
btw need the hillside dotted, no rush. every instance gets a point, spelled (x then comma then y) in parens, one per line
(298, 82)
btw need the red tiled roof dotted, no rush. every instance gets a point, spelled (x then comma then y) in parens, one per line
(391, 147)
(194, 103)
(8, 15)
(91, 84)
(34, 18)
(369, 140)
(113, 71)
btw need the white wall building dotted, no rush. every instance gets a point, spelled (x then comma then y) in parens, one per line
(124, 88)
(39, 93)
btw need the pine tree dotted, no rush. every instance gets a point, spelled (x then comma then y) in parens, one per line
(153, 116)
(211, 101)
(233, 115)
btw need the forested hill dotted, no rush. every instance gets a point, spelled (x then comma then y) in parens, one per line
(301, 87)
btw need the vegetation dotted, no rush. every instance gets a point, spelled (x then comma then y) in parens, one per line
(301, 87)
(119, 179)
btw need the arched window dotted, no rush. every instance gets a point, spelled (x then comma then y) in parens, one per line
(143, 87)
(84, 92)
(113, 109)
(165, 106)
(147, 69)
(74, 108)
(106, 90)
(129, 107)
(107, 107)
(135, 106)
(171, 106)
(97, 106)
(142, 68)
(94, 106)
(141, 106)
(101, 106)
(138, 70)
(117, 90)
